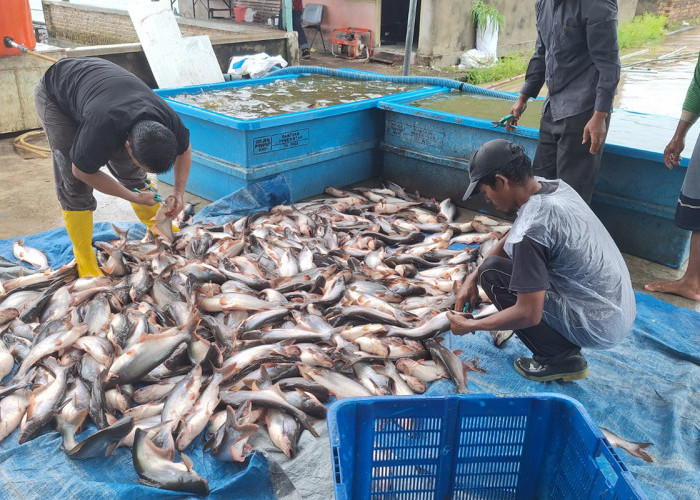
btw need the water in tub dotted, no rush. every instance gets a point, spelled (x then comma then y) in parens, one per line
(289, 95)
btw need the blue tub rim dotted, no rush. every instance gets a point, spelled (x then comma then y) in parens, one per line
(197, 112)
(403, 105)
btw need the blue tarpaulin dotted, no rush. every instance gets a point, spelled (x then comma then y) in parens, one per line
(645, 389)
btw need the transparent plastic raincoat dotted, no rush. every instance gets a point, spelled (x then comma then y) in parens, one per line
(591, 301)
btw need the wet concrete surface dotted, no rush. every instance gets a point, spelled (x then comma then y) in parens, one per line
(29, 203)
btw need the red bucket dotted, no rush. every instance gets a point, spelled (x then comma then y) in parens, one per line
(239, 14)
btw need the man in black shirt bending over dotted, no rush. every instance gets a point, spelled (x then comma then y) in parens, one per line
(96, 113)
(557, 278)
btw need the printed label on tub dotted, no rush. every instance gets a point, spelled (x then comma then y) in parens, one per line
(276, 142)
(415, 135)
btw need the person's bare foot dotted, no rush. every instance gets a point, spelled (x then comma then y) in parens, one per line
(678, 287)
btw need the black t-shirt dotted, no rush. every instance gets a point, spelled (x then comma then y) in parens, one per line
(106, 101)
(531, 259)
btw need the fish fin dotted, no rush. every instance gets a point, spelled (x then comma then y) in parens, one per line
(110, 449)
(30, 407)
(147, 482)
(111, 419)
(463, 389)
(82, 415)
(644, 455)
(439, 340)
(458, 352)
(165, 454)
(187, 461)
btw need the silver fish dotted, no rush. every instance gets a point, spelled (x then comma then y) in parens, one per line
(182, 397)
(151, 351)
(51, 344)
(448, 210)
(230, 441)
(30, 255)
(197, 417)
(155, 469)
(163, 223)
(44, 401)
(283, 430)
(633, 448)
(269, 398)
(12, 409)
(451, 361)
(337, 383)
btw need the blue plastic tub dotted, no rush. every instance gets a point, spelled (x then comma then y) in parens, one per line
(540, 446)
(635, 195)
(334, 145)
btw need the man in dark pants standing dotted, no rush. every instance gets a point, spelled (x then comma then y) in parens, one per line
(577, 55)
(557, 278)
(297, 11)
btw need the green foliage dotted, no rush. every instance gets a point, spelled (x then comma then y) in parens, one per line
(482, 12)
(506, 67)
(641, 30)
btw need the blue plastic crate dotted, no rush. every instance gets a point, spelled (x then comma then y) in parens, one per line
(540, 446)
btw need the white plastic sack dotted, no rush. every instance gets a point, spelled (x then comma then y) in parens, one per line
(255, 65)
(487, 38)
(249, 15)
(475, 59)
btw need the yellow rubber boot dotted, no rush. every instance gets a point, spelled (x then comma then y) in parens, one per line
(79, 228)
(146, 213)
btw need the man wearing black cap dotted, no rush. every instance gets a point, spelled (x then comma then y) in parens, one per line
(557, 278)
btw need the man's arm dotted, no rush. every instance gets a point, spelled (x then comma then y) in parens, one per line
(108, 185)
(689, 115)
(535, 74)
(183, 164)
(468, 291)
(601, 37)
(534, 80)
(526, 312)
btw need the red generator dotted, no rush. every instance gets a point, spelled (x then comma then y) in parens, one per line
(351, 43)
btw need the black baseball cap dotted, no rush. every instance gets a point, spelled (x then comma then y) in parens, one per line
(488, 160)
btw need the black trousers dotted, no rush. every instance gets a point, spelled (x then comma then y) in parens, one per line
(560, 154)
(547, 344)
(296, 26)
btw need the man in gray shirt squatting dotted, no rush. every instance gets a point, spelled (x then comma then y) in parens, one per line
(577, 55)
(557, 278)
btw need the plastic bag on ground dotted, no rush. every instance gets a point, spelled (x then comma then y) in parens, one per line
(476, 59)
(255, 65)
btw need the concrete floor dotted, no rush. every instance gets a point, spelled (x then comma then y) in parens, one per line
(30, 206)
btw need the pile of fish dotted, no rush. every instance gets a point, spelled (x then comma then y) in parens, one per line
(222, 330)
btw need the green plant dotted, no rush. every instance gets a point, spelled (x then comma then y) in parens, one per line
(506, 67)
(482, 13)
(641, 30)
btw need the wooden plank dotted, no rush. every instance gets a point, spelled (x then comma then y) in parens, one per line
(175, 61)
(387, 58)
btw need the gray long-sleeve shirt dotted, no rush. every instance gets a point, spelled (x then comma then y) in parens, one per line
(576, 54)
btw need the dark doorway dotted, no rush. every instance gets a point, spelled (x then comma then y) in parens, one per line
(394, 22)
